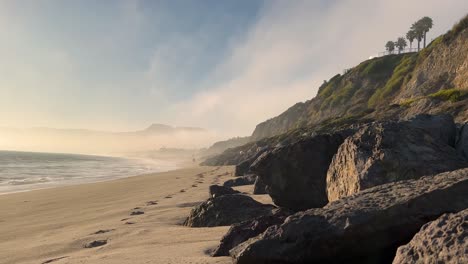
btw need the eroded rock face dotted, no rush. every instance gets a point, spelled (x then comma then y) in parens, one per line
(444, 240)
(216, 190)
(226, 210)
(295, 174)
(462, 142)
(259, 187)
(363, 228)
(241, 232)
(383, 152)
(440, 127)
(242, 180)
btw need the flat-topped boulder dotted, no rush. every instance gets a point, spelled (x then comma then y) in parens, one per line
(444, 240)
(367, 227)
(217, 190)
(226, 210)
(383, 152)
(295, 174)
(241, 180)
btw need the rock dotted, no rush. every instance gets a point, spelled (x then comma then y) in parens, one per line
(242, 168)
(462, 141)
(366, 227)
(295, 174)
(241, 232)
(383, 152)
(242, 180)
(440, 127)
(259, 187)
(444, 240)
(216, 190)
(226, 210)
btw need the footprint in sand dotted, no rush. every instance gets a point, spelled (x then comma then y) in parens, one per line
(54, 259)
(168, 197)
(152, 203)
(183, 190)
(194, 185)
(129, 223)
(102, 231)
(137, 213)
(96, 243)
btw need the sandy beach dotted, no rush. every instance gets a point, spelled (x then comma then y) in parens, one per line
(54, 225)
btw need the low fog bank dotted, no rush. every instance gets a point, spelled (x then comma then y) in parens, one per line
(156, 140)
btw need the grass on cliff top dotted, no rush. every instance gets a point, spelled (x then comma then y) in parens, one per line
(401, 74)
(456, 29)
(379, 68)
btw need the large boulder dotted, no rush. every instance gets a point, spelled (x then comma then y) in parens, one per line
(383, 152)
(444, 240)
(226, 210)
(259, 187)
(462, 141)
(366, 227)
(243, 167)
(216, 190)
(241, 232)
(440, 127)
(295, 174)
(242, 180)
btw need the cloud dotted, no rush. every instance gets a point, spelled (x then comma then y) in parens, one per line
(293, 47)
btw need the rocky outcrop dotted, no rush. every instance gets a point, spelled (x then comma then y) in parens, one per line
(383, 152)
(462, 141)
(226, 210)
(216, 190)
(259, 187)
(241, 232)
(363, 228)
(444, 240)
(441, 127)
(242, 180)
(295, 174)
(243, 168)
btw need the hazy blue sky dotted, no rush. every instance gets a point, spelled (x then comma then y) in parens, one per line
(222, 65)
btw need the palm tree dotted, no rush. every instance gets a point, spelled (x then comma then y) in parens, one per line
(411, 35)
(426, 24)
(401, 44)
(390, 46)
(418, 29)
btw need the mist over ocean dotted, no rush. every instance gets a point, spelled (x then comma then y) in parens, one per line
(22, 171)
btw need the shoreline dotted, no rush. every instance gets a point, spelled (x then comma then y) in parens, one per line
(56, 223)
(156, 166)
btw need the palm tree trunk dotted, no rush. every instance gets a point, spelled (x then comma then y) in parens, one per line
(424, 39)
(419, 46)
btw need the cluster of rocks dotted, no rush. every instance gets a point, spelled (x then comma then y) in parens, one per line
(227, 206)
(353, 196)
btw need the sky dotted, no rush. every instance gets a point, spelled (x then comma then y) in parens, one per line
(221, 65)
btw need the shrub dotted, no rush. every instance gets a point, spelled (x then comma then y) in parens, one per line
(452, 95)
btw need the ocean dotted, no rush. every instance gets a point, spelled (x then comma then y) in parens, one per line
(23, 171)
